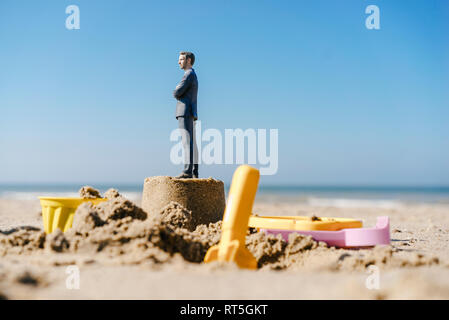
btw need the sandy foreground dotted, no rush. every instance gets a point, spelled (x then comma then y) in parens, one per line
(416, 266)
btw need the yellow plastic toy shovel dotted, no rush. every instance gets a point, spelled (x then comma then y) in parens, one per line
(235, 221)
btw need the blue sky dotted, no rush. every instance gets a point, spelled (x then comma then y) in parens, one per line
(352, 105)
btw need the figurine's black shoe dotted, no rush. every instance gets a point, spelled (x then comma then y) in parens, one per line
(184, 176)
(195, 171)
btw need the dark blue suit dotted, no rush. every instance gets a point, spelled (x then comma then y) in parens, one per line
(186, 93)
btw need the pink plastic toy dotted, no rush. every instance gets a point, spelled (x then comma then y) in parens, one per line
(351, 237)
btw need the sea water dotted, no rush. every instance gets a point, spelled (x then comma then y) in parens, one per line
(319, 196)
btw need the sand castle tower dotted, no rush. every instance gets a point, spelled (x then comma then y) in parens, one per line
(204, 197)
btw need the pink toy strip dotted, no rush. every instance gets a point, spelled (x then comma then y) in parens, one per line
(351, 237)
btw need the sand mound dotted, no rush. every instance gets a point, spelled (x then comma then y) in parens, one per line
(176, 215)
(21, 240)
(119, 232)
(87, 192)
(122, 231)
(272, 251)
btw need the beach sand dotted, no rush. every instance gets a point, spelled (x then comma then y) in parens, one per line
(415, 266)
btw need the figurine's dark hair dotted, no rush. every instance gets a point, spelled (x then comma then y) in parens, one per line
(188, 55)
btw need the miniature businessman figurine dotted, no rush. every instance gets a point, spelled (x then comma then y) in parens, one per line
(186, 113)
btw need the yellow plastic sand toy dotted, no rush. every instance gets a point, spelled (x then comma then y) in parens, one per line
(235, 221)
(59, 212)
(303, 223)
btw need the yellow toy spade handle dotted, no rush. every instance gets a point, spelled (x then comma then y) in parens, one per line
(235, 221)
(240, 203)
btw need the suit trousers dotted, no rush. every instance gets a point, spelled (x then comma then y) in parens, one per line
(187, 128)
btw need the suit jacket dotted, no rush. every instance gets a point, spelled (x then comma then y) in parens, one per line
(186, 93)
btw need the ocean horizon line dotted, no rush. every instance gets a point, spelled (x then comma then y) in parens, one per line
(343, 196)
(329, 186)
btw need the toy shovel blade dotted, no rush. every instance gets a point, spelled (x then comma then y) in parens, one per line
(235, 221)
(232, 252)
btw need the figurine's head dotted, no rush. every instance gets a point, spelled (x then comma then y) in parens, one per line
(186, 60)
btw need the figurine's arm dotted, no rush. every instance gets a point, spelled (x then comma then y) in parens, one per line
(182, 87)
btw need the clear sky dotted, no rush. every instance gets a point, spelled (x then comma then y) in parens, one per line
(352, 105)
